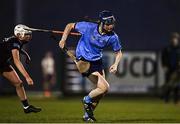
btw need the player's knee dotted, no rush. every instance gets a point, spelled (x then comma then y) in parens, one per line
(18, 83)
(105, 89)
(108, 86)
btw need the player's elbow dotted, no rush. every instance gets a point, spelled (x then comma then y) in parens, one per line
(119, 52)
(70, 25)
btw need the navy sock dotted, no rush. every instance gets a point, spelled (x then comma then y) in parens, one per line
(88, 99)
(86, 114)
(25, 103)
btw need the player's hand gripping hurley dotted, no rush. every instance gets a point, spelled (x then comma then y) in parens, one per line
(82, 66)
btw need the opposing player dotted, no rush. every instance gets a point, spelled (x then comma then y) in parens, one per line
(10, 50)
(95, 37)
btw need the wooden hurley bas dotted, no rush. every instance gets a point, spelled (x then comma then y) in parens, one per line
(82, 66)
(48, 31)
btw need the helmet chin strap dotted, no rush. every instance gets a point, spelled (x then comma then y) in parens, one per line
(102, 30)
(21, 38)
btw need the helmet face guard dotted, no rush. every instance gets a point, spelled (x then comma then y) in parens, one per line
(109, 21)
(107, 18)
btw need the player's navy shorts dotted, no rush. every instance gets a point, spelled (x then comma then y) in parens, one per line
(94, 66)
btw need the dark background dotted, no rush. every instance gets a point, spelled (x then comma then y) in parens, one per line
(142, 25)
(145, 22)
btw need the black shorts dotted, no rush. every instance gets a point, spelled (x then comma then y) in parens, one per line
(5, 67)
(48, 77)
(94, 66)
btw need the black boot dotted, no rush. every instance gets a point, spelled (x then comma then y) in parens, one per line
(32, 109)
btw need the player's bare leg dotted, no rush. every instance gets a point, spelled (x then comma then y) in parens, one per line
(15, 80)
(12, 76)
(97, 99)
(95, 95)
(102, 86)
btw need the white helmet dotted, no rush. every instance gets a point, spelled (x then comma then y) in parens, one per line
(21, 30)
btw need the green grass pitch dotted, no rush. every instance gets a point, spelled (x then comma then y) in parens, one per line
(110, 110)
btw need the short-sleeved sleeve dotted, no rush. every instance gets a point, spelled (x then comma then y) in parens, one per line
(14, 44)
(81, 27)
(115, 43)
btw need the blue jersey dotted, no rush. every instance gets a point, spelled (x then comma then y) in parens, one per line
(92, 43)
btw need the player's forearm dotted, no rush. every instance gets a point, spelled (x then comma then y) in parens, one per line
(18, 64)
(67, 30)
(118, 57)
(21, 68)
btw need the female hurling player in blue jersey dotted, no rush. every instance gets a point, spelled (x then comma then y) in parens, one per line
(94, 38)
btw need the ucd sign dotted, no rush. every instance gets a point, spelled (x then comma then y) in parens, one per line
(137, 73)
